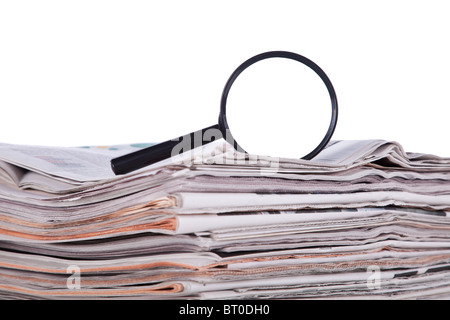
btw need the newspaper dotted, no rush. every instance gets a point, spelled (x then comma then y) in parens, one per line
(362, 219)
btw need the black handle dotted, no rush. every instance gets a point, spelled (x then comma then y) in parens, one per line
(142, 158)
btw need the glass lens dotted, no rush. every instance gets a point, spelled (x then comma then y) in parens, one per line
(278, 107)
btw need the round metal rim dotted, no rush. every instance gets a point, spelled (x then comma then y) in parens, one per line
(223, 124)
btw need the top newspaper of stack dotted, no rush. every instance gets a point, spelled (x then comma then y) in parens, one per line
(59, 170)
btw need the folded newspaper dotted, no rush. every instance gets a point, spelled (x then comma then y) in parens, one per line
(364, 219)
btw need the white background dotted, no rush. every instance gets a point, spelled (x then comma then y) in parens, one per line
(109, 72)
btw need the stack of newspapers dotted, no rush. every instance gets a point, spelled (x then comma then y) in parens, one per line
(363, 220)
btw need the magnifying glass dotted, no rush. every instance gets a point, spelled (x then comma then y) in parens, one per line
(278, 107)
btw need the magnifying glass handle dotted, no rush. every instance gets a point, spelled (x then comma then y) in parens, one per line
(144, 157)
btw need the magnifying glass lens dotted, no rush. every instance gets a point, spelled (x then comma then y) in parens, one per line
(278, 107)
